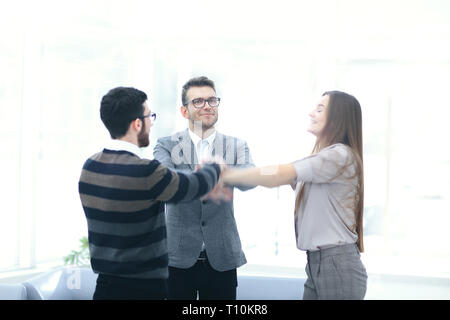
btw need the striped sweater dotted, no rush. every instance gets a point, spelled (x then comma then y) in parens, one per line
(122, 197)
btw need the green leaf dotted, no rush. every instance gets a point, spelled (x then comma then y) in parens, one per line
(81, 257)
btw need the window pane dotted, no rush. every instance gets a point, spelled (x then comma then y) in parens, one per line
(76, 78)
(10, 131)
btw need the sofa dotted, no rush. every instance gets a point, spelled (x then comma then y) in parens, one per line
(78, 283)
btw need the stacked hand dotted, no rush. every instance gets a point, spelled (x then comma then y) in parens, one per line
(220, 191)
(218, 160)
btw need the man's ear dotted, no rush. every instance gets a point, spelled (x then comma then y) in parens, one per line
(184, 112)
(136, 125)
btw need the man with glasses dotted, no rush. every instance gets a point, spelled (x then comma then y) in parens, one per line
(122, 196)
(204, 244)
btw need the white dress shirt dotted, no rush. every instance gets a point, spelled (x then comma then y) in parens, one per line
(203, 147)
(120, 145)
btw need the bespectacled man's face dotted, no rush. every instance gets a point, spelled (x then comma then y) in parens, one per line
(205, 117)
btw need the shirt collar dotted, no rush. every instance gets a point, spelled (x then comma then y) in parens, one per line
(120, 145)
(196, 139)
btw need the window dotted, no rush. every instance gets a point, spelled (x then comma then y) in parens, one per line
(11, 188)
(269, 74)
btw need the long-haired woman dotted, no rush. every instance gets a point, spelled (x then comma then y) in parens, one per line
(329, 202)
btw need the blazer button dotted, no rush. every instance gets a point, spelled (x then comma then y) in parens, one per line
(204, 201)
(203, 223)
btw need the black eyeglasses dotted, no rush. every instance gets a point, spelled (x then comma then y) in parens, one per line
(150, 115)
(198, 103)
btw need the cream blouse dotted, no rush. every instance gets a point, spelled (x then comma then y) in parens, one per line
(326, 215)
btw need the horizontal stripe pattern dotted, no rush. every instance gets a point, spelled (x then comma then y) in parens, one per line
(142, 253)
(130, 267)
(114, 193)
(122, 198)
(183, 189)
(151, 222)
(129, 170)
(127, 242)
(121, 182)
(109, 205)
(124, 217)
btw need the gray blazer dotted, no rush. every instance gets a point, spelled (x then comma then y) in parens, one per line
(190, 224)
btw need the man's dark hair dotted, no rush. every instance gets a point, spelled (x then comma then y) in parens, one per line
(196, 82)
(119, 107)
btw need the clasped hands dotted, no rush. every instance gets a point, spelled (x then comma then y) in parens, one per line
(220, 191)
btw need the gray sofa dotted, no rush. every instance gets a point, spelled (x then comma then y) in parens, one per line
(13, 292)
(73, 283)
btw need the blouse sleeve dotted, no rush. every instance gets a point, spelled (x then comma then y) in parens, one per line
(332, 164)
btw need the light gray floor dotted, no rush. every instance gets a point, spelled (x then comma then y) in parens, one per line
(391, 287)
(379, 287)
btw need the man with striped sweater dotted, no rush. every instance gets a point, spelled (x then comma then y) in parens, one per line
(122, 196)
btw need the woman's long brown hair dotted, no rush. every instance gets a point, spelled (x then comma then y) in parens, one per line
(343, 125)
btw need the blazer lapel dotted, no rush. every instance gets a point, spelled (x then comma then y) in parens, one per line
(188, 149)
(219, 146)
